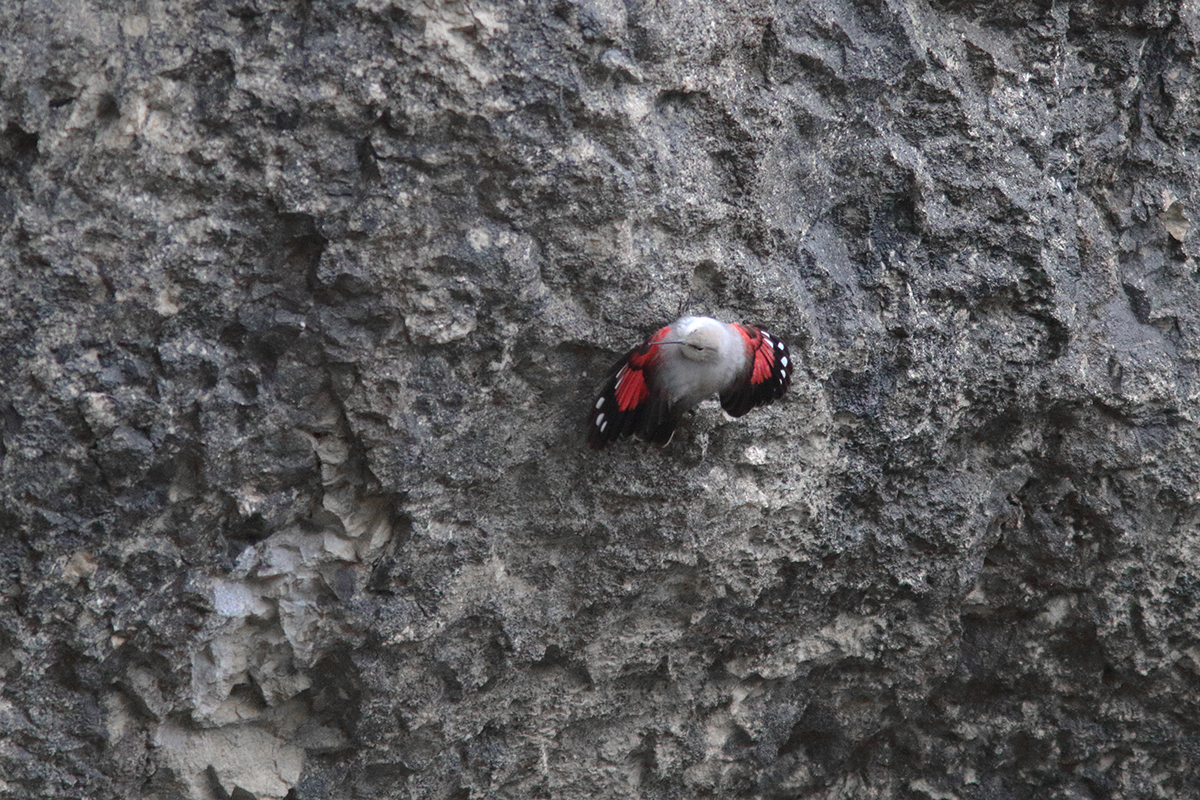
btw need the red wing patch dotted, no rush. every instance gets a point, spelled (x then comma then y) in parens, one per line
(629, 402)
(631, 388)
(769, 374)
(764, 361)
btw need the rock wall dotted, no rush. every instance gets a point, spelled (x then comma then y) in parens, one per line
(303, 308)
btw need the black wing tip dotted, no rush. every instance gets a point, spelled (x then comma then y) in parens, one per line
(651, 422)
(597, 440)
(601, 434)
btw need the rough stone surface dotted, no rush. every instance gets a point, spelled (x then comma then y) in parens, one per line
(303, 305)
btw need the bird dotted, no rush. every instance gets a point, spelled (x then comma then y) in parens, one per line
(656, 383)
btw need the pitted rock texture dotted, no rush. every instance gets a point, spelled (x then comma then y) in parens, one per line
(304, 304)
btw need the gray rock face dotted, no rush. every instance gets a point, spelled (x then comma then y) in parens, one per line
(303, 308)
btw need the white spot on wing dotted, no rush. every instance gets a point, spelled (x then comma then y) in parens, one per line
(605, 425)
(782, 361)
(600, 420)
(600, 403)
(779, 345)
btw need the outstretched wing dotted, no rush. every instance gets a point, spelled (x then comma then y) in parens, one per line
(767, 377)
(631, 401)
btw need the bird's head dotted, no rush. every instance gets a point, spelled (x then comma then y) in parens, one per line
(701, 341)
